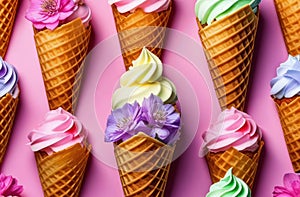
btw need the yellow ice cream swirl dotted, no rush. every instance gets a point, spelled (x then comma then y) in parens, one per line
(143, 78)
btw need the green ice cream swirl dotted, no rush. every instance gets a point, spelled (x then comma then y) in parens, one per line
(229, 186)
(209, 10)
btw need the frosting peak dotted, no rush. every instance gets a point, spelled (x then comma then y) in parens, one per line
(229, 185)
(233, 128)
(147, 6)
(287, 82)
(58, 131)
(143, 79)
(8, 79)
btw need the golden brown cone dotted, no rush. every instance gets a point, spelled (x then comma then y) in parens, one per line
(228, 45)
(8, 108)
(144, 165)
(139, 29)
(288, 12)
(289, 114)
(8, 9)
(61, 54)
(61, 173)
(244, 165)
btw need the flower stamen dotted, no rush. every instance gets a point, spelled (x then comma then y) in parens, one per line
(49, 6)
(160, 116)
(123, 123)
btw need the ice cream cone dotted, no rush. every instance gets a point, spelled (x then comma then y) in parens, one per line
(61, 173)
(244, 164)
(61, 54)
(8, 108)
(288, 12)
(144, 165)
(289, 114)
(228, 45)
(8, 9)
(139, 29)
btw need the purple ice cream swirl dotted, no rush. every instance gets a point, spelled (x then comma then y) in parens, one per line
(8, 79)
(287, 82)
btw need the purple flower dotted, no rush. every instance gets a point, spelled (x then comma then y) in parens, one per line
(161, 118)
(153, 118)
(291, 187)
(123, 122)
(9, 186)
(48, 13)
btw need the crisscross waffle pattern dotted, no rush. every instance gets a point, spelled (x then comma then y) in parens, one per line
(289, 114)
(61, 173)
(144, 165)
(228, 45)
(139, 29)
(8, 108)
(61, 54)
(244, 164)
(8, 9)
(288, 12)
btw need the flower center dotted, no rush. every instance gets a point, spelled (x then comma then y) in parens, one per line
(160, 116)
(123, 123)
(49, 6)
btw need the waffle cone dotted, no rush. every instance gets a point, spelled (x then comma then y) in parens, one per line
(8, 9)
(244, 164)
(61, 173)
(289, 114)
(8, 108)
(61, 54)
(288, 12)
(228, 45)
(144, 165)
(139, 29)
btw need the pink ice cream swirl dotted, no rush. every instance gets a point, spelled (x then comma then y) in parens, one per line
(233, 128)
(58, 131)
(147, 6)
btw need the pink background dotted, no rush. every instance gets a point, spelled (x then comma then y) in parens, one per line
(185, 65)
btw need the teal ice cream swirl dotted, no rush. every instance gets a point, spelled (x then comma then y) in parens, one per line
(209, 10)
(229, 186)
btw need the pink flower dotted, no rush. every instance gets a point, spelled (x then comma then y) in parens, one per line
(9, 186)
(49, 13)
(291, 182)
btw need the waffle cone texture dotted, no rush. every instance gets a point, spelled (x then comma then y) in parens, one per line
(289, 114)
(288, 12)
(62, 173)
(228, 45)
(139, 29)
(61, 55)
(8, 9)
(244, 165)
(8, 108)
(144, 165)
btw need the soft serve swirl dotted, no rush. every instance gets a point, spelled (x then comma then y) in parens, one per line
(208, 11)
(8, 79)
(233, 128)
(142, 79)
(147, 6)
(229, 185)
(58, 131)
(287, 82)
